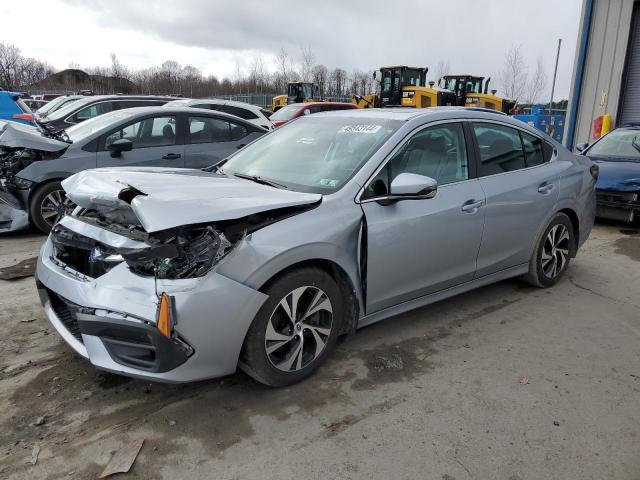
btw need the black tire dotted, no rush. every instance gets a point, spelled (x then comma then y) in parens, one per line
(541, 272)
(43, 195)
(257, 363)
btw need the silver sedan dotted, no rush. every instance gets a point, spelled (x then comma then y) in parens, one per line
(331, 223)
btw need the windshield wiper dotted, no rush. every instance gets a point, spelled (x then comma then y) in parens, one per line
(258, 179)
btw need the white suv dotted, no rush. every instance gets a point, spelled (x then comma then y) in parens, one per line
(251, 113)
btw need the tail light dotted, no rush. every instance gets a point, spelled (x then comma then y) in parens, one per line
(594, 170)
(23, 116)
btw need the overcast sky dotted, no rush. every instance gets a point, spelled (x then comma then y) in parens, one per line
(215, 35)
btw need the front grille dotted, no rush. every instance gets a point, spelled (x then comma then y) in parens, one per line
(65, 311)
(83, 254)
(612, 198)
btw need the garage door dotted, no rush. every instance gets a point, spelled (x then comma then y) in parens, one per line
(630, 103)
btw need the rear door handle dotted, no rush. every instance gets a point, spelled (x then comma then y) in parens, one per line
(171, 156)
(545, 188)
(241, 146)
(472, 206)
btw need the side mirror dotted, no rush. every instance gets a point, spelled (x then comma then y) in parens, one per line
(581, 147)
(306, 112)
(119, 146)
(413, 186)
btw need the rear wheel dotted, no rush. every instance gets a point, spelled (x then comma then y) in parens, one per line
(48, 205)
(295, 329)
(553, 253)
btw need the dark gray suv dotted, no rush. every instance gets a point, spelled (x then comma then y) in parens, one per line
(89, 107)
(32, 165)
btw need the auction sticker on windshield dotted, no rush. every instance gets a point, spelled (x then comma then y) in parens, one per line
(360, 129)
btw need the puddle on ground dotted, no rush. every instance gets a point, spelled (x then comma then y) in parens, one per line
(629, 247)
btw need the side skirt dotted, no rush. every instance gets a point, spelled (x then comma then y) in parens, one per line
(441, 295)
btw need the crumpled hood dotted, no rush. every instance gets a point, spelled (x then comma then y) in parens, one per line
(17, 135)
(620, 175)
(163, 198)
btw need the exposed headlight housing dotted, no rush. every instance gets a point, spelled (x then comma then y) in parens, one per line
(21, 183)
(187, 254)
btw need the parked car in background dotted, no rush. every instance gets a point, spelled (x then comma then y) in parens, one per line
(334, 222)
(288, 113)
(617, 155)
(13, 108)
(32, 165)
(91, 106)
(55, 104)
(251, 113)
(34, 104)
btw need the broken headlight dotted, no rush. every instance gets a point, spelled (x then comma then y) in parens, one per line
(186, 254)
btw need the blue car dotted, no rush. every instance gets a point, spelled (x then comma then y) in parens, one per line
(617, 154)
(12, 107)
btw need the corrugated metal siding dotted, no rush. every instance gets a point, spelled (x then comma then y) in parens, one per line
(604, 63)
(630, 103)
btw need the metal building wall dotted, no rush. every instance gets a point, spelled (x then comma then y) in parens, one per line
(606, 48)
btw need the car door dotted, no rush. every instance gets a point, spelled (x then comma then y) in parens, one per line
(155, 143)
(210, 139)
(418, 247)
(521, 186)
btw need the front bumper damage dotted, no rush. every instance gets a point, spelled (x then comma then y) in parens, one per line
(617, 205)
(13, 213)
(110, 319)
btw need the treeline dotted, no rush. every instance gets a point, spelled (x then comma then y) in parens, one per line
(21, 73)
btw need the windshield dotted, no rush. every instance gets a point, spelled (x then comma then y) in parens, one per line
(177, 103)
(316, 154)
(82, 130)
(285, 113)
(412, 77)
(619, 143)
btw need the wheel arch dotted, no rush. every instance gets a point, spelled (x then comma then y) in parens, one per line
(349, 289)
(575, 224)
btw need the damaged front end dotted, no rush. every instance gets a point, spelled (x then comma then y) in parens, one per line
(20, 146)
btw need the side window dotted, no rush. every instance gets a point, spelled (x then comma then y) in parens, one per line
(92, 111)
(500, 149)
(237, 131)
(150, 132)
(208, 130)
(532, 149)
(438, 152)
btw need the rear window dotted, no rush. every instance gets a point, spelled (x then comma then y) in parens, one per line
(285, 113)
(238, 112)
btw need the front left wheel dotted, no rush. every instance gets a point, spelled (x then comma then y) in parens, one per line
(295, 329)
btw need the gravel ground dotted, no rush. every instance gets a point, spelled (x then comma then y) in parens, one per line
(506, 382)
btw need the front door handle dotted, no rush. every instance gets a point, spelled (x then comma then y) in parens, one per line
(472, 206)
(545, 188)
(242, 145)
(171, 156)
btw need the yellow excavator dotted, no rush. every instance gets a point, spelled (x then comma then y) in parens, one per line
(472, 91)
(403, 86)
(297, 92)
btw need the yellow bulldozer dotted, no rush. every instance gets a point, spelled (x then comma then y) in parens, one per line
(403, 86)
(297, 92)
(472, 91)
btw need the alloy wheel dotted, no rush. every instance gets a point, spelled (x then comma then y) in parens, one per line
(55, 206)
(555, 252)
(299, 328)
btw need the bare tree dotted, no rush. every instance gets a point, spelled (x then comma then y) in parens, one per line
(442, 68)
(282, 68)
(537, 84)
(308, 59)
(319, 76)
(9, 61)
(513, 77)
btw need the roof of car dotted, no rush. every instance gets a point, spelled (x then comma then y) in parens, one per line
(313, 104)
(218, 101)
(182, 109)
